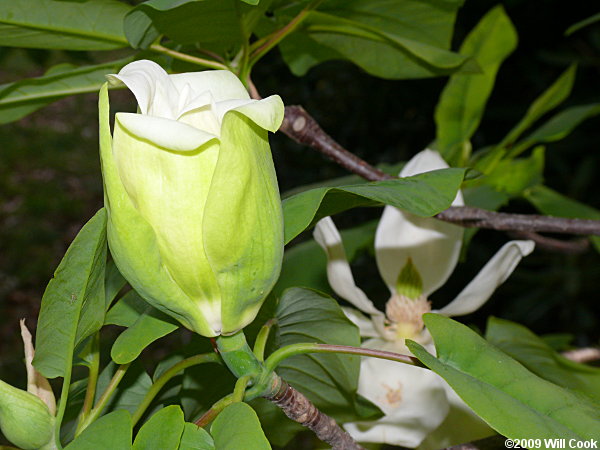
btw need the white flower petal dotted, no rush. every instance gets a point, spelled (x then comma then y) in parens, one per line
(266, 113)
(222, 84)
(433, 245)
(493, 274)
(150, 84)
(367, 327)
(413, 400)
(338, 270)
(165, 133)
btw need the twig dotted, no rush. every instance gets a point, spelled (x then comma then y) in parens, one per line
(300, 409)
(302, 128)
(571, 247)
(583, 355)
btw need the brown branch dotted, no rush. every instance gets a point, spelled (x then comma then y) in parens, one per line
(570, 247)
(300, 409)
(302, 128)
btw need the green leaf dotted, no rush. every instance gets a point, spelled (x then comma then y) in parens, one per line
(162, 431)
(131, 390)
(463, 100)
(552, 203)
(537, 356)
(26, 96)
(386, 38)
(550, 99)
(195, 438)
(113, 283)
(110, 431)
(328, 380)
(149, 326)
(558, 127)
(512, 400)
(90, 25)
(127, 310)
(513, 176)
(236, 427)
(582, 24)
(216, 25)
(73, 303)
(305, 264)
(424, 195)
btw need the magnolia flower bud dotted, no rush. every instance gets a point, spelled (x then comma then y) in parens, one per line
(194, 215)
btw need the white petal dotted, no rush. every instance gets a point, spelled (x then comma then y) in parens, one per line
(165, 133)
(266, 113)
(222, 84)
(367, 327)
(338, 270)
(150, 84)
(413, 400)
(493, 274)
(433, 245)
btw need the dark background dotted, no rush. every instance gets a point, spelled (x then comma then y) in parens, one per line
(50, 182)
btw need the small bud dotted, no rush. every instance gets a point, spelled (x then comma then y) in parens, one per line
(409, 281)
(25, 420)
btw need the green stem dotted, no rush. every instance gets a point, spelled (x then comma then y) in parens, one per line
(188, 58)
(240, 388)
(168, 375)
(298, 349)
(237, 355)
(261, 340)
(214, 410)
(263, 46)
(104, 398)
(90, 392)
(62, 405)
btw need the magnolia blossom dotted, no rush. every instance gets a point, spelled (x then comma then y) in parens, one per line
(415, 256)
(194, 214)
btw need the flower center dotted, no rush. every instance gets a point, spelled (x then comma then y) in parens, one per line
(405, 316)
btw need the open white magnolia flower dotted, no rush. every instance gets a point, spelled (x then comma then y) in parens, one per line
(415, 256)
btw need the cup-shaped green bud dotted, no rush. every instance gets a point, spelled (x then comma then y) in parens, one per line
(194, 215)
(25, 420)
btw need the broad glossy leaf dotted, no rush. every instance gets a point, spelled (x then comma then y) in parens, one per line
(463, 100)
(217, 25)
(550, 99)
(73, 303)
(512, 400)
(550, 202)
(195, 438)
(237, 427)
(149, 326)
(113, 283)
(89, 25)
(162, 431)
(26, 96)
(558, 127)
(536, 355)
(424, 195)
(305, 264)
(386, 38)
(126, 310)
(112, 431)
(328, 380)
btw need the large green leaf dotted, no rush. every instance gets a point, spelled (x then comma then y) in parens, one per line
(512, 400)
(536, 355)
(217, 25)
(162, 431)
(237, 427)
(195, 438)
(550, 202)
(424, 195)
(67, 25)
(111, 431)
(26, 96)
(387, 38)
(513, 176)
(73, 303)
(558, 127)
(328, 380)
(550, 99)
(463, 100)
